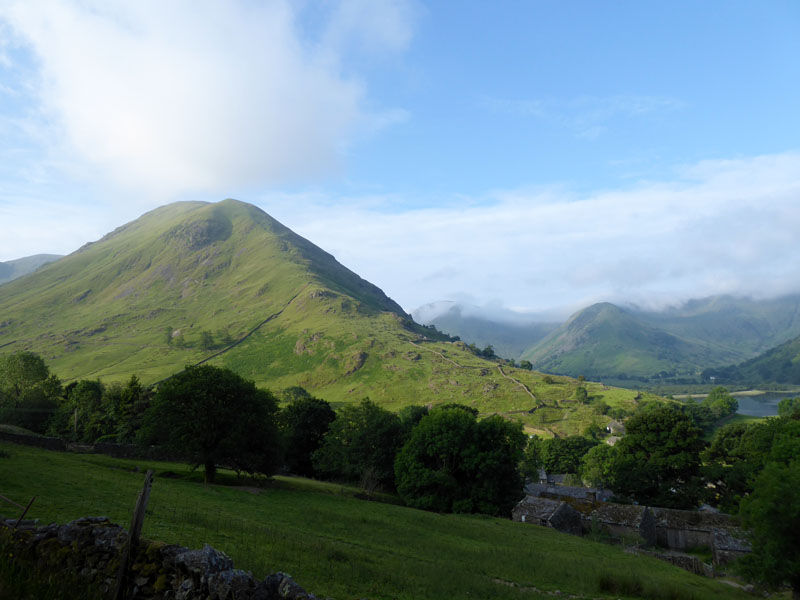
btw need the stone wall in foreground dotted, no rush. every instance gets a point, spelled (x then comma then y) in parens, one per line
(89, 549)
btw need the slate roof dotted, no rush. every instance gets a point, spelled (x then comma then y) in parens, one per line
(690, 519)
(537, 508)
(615, 426)
(731, 540)
(629, 515)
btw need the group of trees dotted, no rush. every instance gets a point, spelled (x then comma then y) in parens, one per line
(86, 411)
(441, 459)
(29, 393)
(655, 463)
(717, 404)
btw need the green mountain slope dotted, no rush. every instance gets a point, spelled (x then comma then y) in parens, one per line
(225, 283)
(743, 325)
(12, 269)
(604, 341)
(608, 342)
(777, 365)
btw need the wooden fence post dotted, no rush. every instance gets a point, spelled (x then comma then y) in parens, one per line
(24, 511)
(133, 538)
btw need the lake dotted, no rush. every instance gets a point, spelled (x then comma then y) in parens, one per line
(763, 405)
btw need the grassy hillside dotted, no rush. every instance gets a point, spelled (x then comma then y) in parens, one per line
(337, 545)
(778, 365)
(278, 310)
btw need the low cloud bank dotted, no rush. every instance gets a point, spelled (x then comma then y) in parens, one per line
(720, 227)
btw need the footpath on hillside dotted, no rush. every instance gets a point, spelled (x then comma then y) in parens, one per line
(517, 382)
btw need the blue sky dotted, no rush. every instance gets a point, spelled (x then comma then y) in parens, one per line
(530, 154)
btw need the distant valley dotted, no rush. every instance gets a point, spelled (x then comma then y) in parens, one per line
(693, 343)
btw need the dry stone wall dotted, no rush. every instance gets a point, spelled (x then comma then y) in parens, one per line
(90, 548)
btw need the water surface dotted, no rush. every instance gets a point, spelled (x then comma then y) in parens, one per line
(763, 405)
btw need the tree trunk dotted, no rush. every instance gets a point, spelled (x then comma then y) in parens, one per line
(211, 471)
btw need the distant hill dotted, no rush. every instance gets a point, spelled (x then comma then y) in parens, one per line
(12, 269)
(509, 333)
(615, 343)
(608, 342)
(605, 341)
(226, 283)
(778, 365)
(744, 325)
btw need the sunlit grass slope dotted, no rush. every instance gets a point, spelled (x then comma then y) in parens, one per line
(337, 545)
(280, 311)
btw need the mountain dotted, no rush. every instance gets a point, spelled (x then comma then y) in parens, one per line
(606, 341)
(12, 269)
(744, 325)
(777, 365)
(227, 284)
(509, 333)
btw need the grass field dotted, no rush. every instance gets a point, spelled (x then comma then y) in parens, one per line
(336, 544)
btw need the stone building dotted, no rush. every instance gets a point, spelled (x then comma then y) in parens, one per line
(584, 494)
(682, 529)
(548, 513)
(728, 545)
(627, 521)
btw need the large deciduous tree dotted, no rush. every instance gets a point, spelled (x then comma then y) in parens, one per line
(361, 445)
(304, 422)
(29, 393)
(772, 514)
(597, 465)
(721, 403)
(739, 452)
(789, 407)
(658, 459)
(216, 418)
(454, 463)
(563, 455)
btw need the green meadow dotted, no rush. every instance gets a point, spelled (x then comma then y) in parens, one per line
(338, 544)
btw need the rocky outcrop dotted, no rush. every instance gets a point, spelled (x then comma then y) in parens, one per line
(90, 549)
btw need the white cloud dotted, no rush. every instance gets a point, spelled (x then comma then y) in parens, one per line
(182, 96)
(720, 227)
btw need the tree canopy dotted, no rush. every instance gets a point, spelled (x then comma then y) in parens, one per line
(454, 463)
(304, 422)
(721, 403)
(563, 455)
(597, 465)
(789, 407)
(772, 514)
(739, 452)
(215, 417)
(658, 459)
(29, 393)
(361, 445)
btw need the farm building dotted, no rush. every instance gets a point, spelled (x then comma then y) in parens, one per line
(625, 521)
(548, 513)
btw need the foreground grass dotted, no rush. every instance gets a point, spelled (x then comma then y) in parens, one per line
(337, 545)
